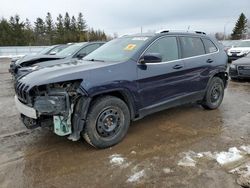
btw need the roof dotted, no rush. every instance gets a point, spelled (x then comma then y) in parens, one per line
(166, 32)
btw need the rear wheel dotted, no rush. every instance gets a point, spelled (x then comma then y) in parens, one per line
(214, 94)
(107, 122)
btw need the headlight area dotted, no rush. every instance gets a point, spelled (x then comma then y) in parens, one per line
(232, 66)
(56, 103)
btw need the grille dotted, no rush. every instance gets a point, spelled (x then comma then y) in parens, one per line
(244, 70)
(22, 91)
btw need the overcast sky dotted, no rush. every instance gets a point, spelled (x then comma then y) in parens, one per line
(128, 16)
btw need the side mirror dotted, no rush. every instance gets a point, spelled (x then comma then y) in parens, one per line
(151, 58)
(81, 55)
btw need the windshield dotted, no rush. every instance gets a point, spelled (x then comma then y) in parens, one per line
(46, 50)
(120, 49)
(57, 49)
(244, 44)
(70, 50)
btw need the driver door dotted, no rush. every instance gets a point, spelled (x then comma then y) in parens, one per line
(160, 82)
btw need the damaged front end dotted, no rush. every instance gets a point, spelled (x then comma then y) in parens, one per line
(51, 106)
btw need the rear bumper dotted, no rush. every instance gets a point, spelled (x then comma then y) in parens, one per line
(25, 110)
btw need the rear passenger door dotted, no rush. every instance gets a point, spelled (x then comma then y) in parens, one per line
(162, 81)
(197, 63)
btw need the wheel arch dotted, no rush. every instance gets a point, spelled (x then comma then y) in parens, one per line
(122, 94)
(221, 74)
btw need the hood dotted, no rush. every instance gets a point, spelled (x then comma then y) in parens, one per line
(239, 49)
(242, 61)
(31, 60)
(54, 62)
(72, 70)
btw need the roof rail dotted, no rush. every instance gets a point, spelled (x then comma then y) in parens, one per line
(167, 31)
(200, 32)
(162, 31)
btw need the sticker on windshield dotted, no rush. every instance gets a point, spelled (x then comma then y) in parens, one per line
(140, 38)
(130, 47)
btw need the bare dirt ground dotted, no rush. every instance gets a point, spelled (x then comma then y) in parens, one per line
(180, 147)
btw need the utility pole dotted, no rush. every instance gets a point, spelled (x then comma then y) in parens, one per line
(225, 25)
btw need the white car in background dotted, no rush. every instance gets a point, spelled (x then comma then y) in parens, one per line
(241, 50)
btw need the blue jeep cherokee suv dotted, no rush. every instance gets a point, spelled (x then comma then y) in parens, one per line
(124, 80)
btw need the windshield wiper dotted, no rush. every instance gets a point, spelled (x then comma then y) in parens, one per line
(94, 60)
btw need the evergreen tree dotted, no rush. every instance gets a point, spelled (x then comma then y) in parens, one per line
(5, 30)
(17, 30)
(49, 28)
(240, 28)
(73, 29)
(67, 28)
(29, 33)
(40, 32)
(81, 28)
(60, 30)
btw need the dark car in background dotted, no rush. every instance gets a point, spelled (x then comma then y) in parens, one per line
(51, 50)
(122, 81)
(71, 53)
(240, 69)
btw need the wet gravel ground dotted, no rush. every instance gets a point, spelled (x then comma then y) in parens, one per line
(149, 156)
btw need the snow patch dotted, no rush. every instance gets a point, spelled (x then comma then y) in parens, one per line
(136, 176)
(246, 149)
(167, 170)
(116, 159)
(187, 161)
(133, 152)
(232, 155)
(225, 157)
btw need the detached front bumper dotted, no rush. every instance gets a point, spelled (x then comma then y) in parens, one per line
(25, 110)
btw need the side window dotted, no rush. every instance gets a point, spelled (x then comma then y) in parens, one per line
(191, 46)
(209, 46)
(167, 47)
(88, 49)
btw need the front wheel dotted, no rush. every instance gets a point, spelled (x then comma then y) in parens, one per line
(214, 94)
(107, 122)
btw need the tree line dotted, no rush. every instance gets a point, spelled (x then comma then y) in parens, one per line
(16, 32)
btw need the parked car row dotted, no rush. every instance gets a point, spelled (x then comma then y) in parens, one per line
(239, 55)
(53, 55)
(122, 81)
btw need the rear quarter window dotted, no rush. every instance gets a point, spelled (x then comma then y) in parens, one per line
(209, 46)
(191, 46)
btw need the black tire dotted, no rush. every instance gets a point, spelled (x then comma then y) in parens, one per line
(214, 94)
(107, 122)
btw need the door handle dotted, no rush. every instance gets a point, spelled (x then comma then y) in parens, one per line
(210, 61)
(177, 66)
